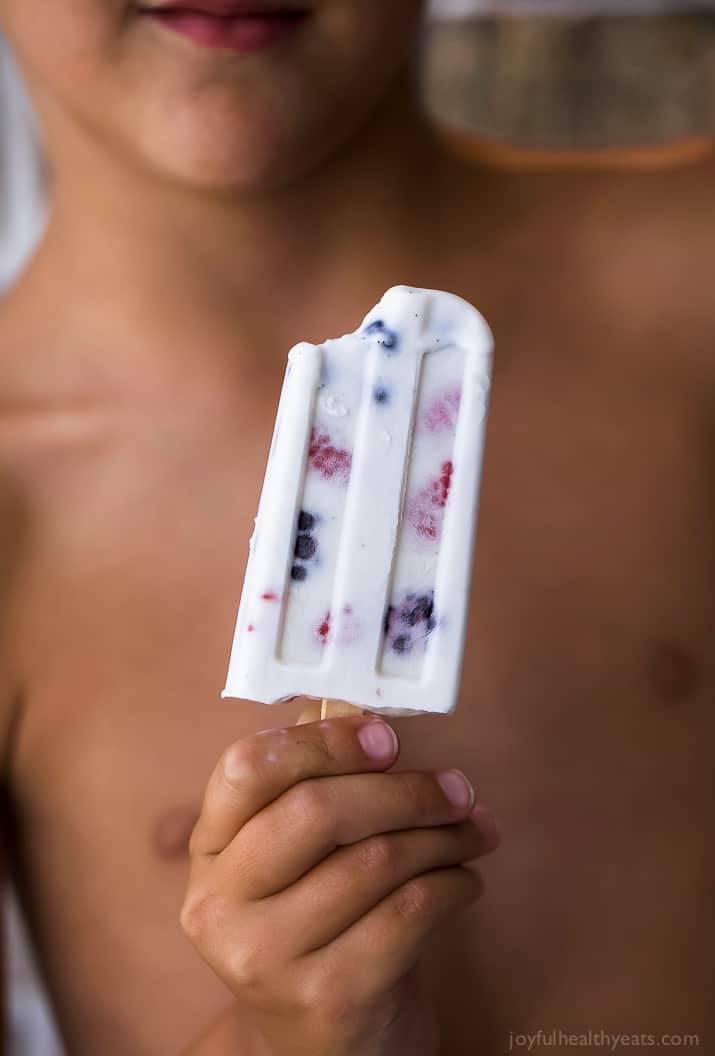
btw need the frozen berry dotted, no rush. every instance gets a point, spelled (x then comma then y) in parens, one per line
(443, 411)
(418, 610)
(385, 337)
(330, 461)
(425, 511)
(305, 521)
(381, 394)
(298, 573)
(305, 546)
(402, 644)
(441, 491)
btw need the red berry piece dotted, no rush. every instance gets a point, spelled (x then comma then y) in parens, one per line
(426, 511)
(442, 412)
(332, 462)
(323, 630)
(440, 490)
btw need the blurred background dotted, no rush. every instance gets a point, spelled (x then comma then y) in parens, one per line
(574, 73)
(565, 74)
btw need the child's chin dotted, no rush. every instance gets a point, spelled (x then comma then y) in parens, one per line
(224, 159)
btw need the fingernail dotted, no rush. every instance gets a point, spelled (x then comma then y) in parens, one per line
(488, 828)
(378, 740)
(456, 788)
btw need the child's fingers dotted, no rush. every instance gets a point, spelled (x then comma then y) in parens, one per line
(311, 819)
(386, 943)
(257, 770)
(354, 880)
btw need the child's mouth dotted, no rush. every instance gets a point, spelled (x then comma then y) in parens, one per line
(229, 24)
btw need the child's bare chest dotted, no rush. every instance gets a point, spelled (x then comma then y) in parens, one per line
(588, 649)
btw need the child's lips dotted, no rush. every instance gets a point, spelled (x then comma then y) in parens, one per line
(225, 8)
(235, 25)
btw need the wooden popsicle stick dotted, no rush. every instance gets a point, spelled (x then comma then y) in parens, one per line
(335, 709)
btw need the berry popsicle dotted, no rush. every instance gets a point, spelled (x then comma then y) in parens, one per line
(359, 569)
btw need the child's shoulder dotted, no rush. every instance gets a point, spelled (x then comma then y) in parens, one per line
(653, 246)
(38, 438)
(13, 505)
(38, 372)
(22, 376)
(626, 230)
(35, 409)
(637, 248)
(26, 340)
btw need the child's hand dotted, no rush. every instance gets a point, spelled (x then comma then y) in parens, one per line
(317, 879)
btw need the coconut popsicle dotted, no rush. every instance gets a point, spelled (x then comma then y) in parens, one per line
(359, 569)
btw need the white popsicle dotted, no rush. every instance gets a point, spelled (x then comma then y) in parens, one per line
(359, 570)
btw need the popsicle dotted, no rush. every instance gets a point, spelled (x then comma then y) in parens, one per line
(359, 568)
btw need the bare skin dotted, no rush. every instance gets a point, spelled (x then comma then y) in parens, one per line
(134, 423)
